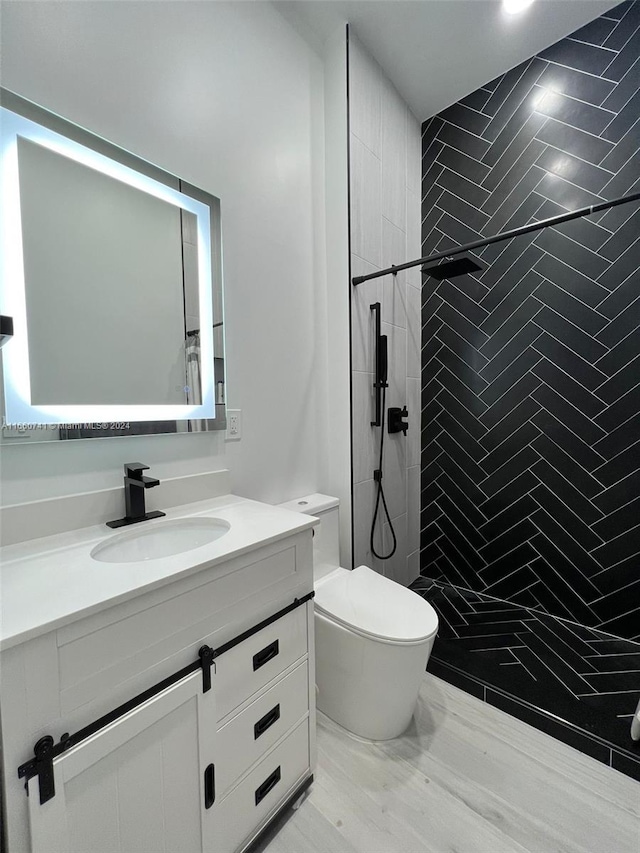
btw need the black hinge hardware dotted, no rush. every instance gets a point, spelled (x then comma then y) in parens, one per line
(43, 764)
(45, 750)
(206, 660)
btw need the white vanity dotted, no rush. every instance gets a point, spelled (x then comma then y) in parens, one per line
(176, 691)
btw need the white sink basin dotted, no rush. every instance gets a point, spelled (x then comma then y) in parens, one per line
(163, 539)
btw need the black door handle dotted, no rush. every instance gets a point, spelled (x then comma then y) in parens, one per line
(266, 722)
(262, 657)
(209, 786)
(269, 783)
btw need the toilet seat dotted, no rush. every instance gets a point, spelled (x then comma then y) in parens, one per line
(375, 607)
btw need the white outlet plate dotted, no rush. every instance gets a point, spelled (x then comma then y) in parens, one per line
(234, 424)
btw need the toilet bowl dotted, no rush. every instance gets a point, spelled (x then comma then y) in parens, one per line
(373, 637)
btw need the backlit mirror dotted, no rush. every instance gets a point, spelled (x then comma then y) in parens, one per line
(111, 270)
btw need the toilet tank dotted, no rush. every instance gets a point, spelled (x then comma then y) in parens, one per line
(326, 534)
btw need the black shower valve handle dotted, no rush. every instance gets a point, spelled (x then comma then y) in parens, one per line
(395, 420)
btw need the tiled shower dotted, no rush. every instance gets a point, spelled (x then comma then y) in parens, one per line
(384, 149)
(530, 371)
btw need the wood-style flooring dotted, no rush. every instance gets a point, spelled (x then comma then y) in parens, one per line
(464, 778)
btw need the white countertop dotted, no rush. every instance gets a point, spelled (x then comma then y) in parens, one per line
(50, 582)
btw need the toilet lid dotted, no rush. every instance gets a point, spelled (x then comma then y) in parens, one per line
(377, 606)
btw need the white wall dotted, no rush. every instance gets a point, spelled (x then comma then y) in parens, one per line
(385, 230)
(229, 97)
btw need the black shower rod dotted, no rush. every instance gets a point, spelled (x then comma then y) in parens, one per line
(505, 235)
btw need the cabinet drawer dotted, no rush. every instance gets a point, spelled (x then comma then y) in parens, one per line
(252, 664)
(245, 808)
(254, 730)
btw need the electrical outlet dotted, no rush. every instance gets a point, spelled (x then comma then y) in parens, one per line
(234, 424)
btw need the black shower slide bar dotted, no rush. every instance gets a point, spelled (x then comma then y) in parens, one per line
(380, 381)
(497, 238)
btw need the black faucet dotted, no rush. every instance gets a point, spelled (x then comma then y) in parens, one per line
(134, 485)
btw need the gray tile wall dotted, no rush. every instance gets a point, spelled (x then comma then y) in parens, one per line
(384, 149)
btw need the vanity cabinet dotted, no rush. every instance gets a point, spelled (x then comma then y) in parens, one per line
(135, 785)
(189, 767)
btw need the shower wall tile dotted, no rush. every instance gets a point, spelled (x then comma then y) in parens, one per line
(394, 296)
(394, 469)
(414, 245)
(365, 86)
(394, 155)
(397, 349)
(362, 329)
(364, 451)
(363, 506)
(366, 203)
(413, 565)
(530, 399)
(385, 149)
(364, 499)
(414, 157)
(396, 566)
(412, 438)
(413, 332)
(413, 511)
(576, 683)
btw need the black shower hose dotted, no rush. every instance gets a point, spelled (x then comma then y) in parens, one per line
(380, 494)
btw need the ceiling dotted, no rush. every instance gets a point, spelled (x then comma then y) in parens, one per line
(438, 51)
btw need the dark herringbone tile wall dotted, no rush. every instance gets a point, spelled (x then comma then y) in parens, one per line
(531, 369)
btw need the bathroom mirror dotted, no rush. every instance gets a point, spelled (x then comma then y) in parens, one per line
(111, 270)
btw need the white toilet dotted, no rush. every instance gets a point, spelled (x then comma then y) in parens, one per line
(373, 636)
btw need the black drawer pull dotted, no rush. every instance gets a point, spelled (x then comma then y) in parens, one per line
(269, 783)
(270, 651)
(266, 722)
(209, 786)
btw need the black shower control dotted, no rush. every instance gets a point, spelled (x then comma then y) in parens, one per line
(396, 424)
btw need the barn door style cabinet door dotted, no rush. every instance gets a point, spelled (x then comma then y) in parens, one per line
(137, 785)
(181, 720)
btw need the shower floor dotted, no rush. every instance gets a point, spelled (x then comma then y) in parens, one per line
(572, 682)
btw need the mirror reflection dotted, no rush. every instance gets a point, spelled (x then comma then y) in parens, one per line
(111, 271)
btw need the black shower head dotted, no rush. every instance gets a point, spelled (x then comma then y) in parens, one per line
(452, 268)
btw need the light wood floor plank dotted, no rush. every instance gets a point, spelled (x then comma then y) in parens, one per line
(579, 768)
(464, 778)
